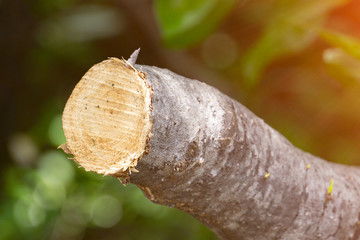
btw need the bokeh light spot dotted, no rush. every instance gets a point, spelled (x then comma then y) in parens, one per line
(36, 215)
(49, 196)
(22, 149)
(106, 211)
(55, 168)
(21, 216)
(219, 51)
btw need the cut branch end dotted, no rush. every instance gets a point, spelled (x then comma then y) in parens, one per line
(107, 119)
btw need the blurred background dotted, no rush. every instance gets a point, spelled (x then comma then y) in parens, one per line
(295, 63)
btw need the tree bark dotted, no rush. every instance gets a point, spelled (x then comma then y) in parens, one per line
(211, 157)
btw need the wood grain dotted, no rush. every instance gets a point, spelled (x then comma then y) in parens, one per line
(107, 120)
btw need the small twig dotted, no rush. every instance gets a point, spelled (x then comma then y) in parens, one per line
(133, 57)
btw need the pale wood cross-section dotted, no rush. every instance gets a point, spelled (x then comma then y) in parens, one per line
(107, 119)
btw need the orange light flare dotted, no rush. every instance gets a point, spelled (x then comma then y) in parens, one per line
(346, 19)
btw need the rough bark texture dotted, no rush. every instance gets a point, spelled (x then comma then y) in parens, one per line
(214, 159)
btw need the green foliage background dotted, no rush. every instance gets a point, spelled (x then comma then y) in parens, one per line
(295, 63)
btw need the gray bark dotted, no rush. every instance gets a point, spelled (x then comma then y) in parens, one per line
(214, 159)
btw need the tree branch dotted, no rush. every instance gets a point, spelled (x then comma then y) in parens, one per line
(206, 154)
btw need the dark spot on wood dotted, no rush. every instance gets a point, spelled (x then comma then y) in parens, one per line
(147, 148)
(334, 210)
(192, 150)
(328, 198)
(181, 165)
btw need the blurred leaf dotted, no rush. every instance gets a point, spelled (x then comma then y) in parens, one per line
(81, 24)
(348, 44)
(293, 26)
(56, 134)
(344, 151)
(143, 206)
(48, 7)
(342, 66)
(186, 22)
(7, 227)
(51, 109)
